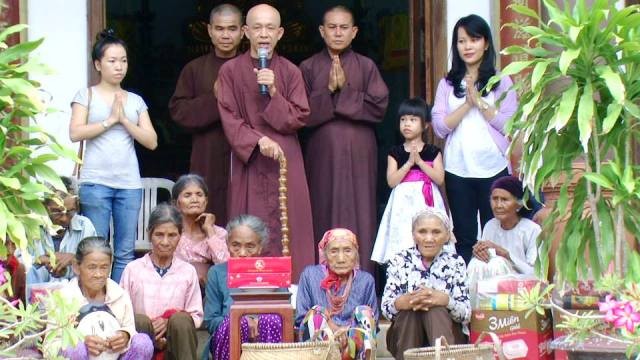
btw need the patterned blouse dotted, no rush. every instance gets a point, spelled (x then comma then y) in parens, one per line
(447, 273)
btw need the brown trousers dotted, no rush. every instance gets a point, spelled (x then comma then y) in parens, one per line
(414, 329)
(182, 341)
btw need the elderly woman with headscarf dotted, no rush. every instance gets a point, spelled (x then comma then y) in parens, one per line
(336, 296)
(246, 237)
(508, 243)
(426, 295)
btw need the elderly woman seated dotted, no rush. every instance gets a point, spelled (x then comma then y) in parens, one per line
(246, 237)
(106, 314)
(202, 242)
(508, 242)
(336, 296)
(164, 289)
(426, 294)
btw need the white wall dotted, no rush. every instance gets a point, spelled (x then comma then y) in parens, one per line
(460, 8)
(63, 24)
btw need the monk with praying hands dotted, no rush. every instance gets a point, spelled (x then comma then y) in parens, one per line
(348, 97)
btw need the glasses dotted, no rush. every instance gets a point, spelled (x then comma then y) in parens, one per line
(59, 214)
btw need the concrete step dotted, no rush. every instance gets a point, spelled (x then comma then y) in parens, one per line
(382, 352)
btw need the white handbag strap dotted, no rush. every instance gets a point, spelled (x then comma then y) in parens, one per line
(438, 346)
(497, 344)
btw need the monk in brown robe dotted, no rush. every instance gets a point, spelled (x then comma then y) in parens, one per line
(347, 97)
(194, 106)
(261, 129)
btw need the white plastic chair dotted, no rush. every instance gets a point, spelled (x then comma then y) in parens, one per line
(150, 188)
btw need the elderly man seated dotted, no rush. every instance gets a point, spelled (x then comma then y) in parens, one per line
(335, 296)
(70, 229)
(426, 295)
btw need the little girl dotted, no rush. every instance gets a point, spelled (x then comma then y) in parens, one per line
(414, 171)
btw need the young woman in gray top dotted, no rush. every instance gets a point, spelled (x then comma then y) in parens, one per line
(110, 184)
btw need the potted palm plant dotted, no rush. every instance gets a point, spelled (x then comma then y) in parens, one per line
(580, 105)
(25, 154)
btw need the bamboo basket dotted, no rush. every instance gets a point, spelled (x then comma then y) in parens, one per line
(315, 350)
(475, 351)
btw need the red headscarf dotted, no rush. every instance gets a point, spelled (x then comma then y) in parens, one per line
(332, 280)
(334, 234)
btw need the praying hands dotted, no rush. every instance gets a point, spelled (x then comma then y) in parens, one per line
(337, 78)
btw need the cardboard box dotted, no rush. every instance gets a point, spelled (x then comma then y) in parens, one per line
(507, 285)
(522, 337)
(259, 272)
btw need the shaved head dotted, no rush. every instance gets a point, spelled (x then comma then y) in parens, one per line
(337, 29)
(263, 28)
(225, 30)
(263, 11)
(338, 8)
(225, 9)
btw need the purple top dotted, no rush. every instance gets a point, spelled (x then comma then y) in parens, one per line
(505, 111)
(363, 292)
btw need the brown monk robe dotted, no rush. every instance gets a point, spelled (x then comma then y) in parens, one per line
(347, 97)
(194, 106)
(260, 129)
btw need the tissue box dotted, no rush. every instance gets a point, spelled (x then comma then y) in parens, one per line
(259, 272)
(522, 337)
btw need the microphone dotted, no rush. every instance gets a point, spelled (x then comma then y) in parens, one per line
(263, 63)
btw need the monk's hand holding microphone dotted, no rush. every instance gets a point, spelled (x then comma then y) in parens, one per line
(266, 77)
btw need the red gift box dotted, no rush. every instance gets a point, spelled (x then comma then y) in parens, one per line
(522, 337)
(259, 272)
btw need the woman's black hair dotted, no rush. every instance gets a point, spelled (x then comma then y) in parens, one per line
(92, 244)
(185, 180)
(105, 38)
(162, 214)
(417, 107)
(476, 27)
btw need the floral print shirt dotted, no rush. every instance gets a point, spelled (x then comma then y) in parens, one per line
(447, 273)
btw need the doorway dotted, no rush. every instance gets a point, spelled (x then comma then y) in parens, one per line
(402, 37)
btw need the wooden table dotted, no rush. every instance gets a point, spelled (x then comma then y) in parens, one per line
(258, 301)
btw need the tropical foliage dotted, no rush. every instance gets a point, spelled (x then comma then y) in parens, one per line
(581, 106)
(26, 151)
